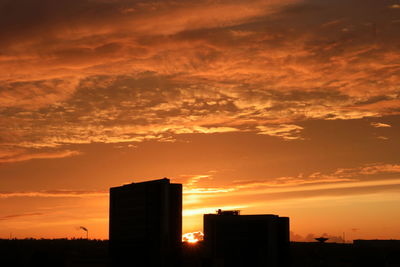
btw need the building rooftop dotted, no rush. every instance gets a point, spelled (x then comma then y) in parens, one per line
(163, 180)
(228, 212)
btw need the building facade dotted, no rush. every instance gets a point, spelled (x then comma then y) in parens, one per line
(145, 227)
(234, 240)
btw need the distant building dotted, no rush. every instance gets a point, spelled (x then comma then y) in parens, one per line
(377, 243)
(377, 253)
(234, 240)
(146, 224)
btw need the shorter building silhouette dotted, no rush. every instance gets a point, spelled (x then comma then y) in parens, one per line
(377, 253)
(146, 224)
(234, 240)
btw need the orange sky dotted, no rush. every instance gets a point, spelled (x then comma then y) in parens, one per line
(287, 107)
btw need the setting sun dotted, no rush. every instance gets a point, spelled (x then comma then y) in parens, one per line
(193, 237)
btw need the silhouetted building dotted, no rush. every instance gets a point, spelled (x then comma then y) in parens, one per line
(232, 239)
(377, 243)
(377, 253)
(146, 224)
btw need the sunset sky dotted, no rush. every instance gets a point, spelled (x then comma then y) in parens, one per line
(288, 107)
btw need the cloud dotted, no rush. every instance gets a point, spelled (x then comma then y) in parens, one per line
(199, 129)
(380, 125)
(262, 197)
(366, 170)
(367, 178)
(37, 93)
(380, 168)
(13, 216)
(55, 194)
(192, 180)
(382, 138)
(22, 155)
(290, 181)
(191, 185)
(285, 131)
(81, 72)
(342, 177)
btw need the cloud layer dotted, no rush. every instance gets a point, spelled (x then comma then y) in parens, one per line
(123, 71)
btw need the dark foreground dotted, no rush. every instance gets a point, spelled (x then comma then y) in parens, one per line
(94, 253)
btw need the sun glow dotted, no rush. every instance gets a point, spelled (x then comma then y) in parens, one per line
(193, 237)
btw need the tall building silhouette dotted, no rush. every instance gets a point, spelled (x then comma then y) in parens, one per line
(234, 240)
(146, 224)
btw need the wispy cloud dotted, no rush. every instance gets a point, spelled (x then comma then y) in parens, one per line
(13, 216)
(380, 125)
(55, 194)
(382, 138)
(285, 131)
(191, 186)
(343, 178)
(22, 155)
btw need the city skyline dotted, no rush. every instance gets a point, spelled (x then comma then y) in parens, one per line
(269, 107)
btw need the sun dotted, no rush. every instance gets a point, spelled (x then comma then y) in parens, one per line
(193, 237)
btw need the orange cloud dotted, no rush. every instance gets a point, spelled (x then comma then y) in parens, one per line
(380, 125)
(10, 217)
(344, 178)
(21, 155)
(285, 131)
(55, 194)
(81, 72)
